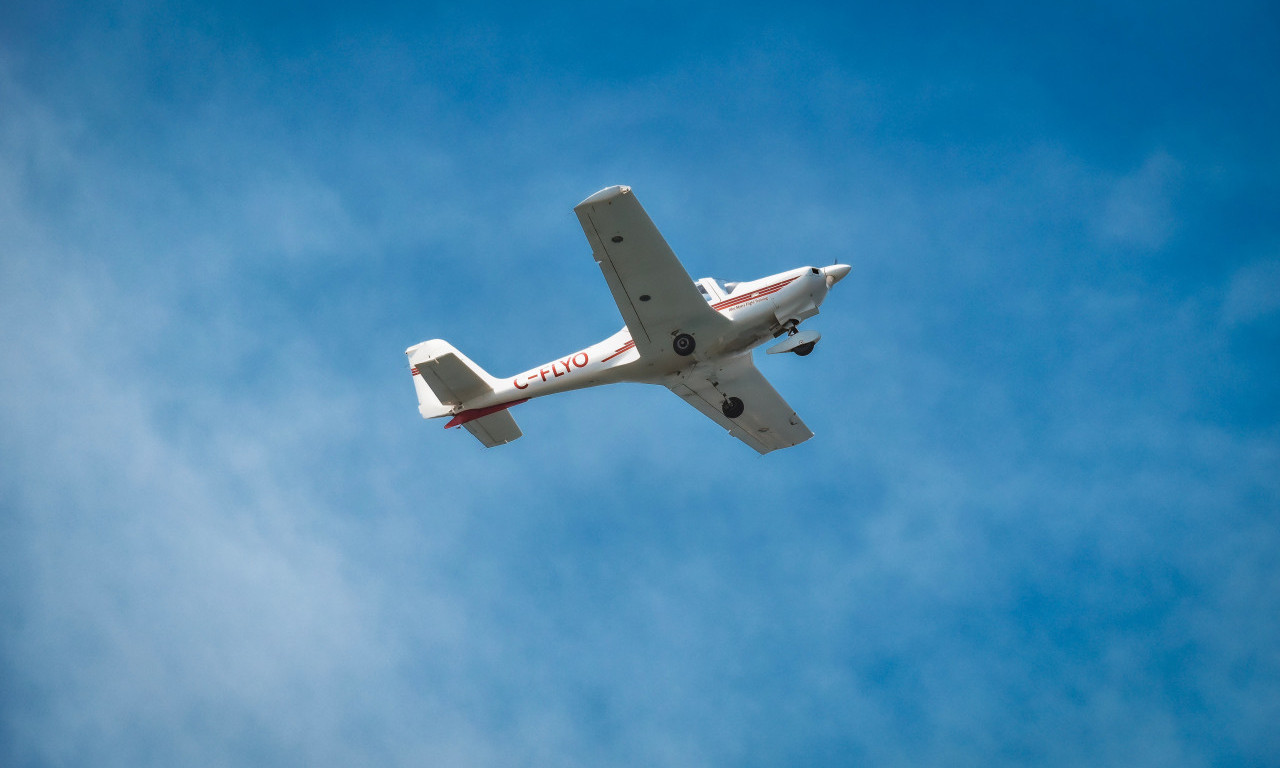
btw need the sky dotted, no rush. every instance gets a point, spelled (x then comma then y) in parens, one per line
(1037, 524)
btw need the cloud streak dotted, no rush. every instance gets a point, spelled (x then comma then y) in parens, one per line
(1036, 525)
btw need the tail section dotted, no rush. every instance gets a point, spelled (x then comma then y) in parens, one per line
(428, 404)
(445, 379)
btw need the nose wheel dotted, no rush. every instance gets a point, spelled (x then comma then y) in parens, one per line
(732, 407)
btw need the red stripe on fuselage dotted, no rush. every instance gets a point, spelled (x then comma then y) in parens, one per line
(625, 347)
(758, 293)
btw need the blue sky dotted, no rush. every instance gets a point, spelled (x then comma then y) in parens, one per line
(1037, 524)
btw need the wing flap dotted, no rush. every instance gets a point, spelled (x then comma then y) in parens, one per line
(767, 423)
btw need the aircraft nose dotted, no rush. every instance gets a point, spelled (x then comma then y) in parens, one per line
(835, 273)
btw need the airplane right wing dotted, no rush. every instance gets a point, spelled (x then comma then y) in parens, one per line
(767, 423)
(654, 293)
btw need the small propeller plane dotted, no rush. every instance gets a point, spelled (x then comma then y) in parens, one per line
(694, 337)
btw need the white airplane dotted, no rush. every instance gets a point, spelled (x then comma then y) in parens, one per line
(693, 337)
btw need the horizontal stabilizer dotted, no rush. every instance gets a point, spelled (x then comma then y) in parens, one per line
(478, 413)
(495, 429)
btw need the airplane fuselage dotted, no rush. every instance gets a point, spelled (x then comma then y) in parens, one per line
(758, 311)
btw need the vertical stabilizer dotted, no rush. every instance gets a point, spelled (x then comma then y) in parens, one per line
(428, 404)
(450, 377)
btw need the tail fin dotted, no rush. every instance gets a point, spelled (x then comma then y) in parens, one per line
(444, 378)
(428, 404)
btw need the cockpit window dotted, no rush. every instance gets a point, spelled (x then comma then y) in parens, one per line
(722, 289)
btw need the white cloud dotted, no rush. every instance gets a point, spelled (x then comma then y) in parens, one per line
(184, 599)
(1138, 210)
(1253, 293)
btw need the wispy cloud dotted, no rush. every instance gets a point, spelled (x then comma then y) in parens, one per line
(1035, 526)
(1253, 293)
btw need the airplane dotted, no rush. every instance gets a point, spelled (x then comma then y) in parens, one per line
(694, 337)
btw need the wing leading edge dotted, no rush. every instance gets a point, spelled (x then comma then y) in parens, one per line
(767, 423)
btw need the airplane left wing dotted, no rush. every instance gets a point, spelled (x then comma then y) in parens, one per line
(766, 424)
(654, 293)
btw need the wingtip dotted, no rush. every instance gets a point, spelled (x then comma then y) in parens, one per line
(605, 195)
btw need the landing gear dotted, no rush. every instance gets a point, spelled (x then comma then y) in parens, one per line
(683, 345)
(732, 407)
(804, 349)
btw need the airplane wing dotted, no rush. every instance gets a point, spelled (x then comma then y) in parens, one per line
(653, 291)
(766, 424)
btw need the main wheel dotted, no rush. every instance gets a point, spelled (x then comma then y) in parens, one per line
(732, 407)
(804, 349)
(683, 345)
